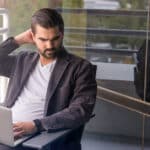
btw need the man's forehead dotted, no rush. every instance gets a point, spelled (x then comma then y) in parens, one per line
(50, 38)
(47, 32)
(39, 27)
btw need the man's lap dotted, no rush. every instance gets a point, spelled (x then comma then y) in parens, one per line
(4, 147)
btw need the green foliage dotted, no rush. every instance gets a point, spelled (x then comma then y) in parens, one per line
(135, 4)
(73, 3)
(21, 12)
(119, 22)
(77, 20)
(72, 19)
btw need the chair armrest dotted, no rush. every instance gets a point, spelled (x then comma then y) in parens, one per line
(45, 139)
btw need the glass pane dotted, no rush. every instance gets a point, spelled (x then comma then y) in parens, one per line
(109, 33)
(146, 132)
(144, 62)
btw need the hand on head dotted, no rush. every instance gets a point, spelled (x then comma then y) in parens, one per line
(24, 37)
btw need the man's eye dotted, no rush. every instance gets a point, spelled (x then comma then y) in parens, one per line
(56, 38)
(43, 40)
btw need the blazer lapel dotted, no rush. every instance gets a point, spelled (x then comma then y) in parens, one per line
(31, 63)
(30, 66)
(61, 65)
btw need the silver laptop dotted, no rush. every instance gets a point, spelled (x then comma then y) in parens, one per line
(6, 128)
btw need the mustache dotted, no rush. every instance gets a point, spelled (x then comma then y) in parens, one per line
(49, 49)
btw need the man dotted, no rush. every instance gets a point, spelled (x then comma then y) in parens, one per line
(49, 89)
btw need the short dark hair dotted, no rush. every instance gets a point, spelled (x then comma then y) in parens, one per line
(47, 18)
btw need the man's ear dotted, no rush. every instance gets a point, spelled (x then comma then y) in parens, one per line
(33, 35)
(62, 34)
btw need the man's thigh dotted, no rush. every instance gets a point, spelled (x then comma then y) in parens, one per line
(4, 147)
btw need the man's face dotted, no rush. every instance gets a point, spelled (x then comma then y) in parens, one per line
(48, 41)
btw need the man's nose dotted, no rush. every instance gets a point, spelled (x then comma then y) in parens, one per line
(49, 44)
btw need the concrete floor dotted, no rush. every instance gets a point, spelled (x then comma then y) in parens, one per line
(92, 141)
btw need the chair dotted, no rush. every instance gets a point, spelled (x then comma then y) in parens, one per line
(56, 140)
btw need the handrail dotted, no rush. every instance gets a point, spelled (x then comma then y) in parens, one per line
(3, 30)
(128, 102)
(103, 50)
(45, 139)
(3, 11)
(103, 12)
(106, 31)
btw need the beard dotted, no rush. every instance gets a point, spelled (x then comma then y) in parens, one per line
(50, 53)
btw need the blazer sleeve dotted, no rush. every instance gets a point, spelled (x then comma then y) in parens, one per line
(81, 105)
(7, 61)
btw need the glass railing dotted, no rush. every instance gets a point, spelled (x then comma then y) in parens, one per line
(109, 38)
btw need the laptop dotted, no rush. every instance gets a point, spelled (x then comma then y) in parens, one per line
(6, 129)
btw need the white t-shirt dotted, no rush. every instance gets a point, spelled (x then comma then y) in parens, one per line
(31, 101)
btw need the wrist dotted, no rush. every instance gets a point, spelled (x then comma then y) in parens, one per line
(34, 127)
(38, 125)
(19, 40)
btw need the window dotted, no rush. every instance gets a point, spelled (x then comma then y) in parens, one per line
(109, 34)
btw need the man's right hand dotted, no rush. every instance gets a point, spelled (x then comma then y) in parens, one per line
(24, 128)
(24, 38)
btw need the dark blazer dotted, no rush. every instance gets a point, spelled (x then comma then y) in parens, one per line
(71, 92)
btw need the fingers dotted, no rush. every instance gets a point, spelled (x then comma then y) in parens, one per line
(18, 134)
(23, 128)
(24, 37)
(18, 130)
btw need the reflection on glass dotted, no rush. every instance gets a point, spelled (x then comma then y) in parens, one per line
(108, 33)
